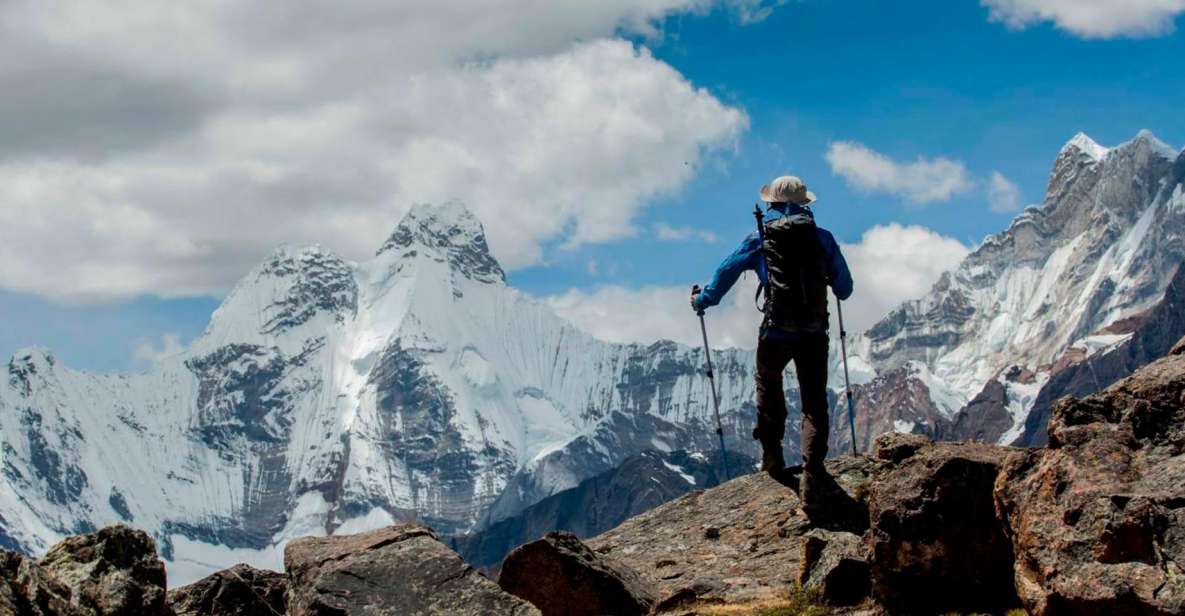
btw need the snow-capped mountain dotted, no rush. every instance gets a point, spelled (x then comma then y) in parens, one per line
(970, 358)
(328, 396)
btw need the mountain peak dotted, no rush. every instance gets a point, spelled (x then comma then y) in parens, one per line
(450, 228)
(1145, 138)
(1084, 144)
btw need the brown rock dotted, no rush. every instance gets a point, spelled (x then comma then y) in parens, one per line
(936, 545)
(836, 564)
(112, 572)
(27, 590)
(1097, 520)
(756, 554)
(239, 591)
(894, 447)
(400, 570)
(563, 577)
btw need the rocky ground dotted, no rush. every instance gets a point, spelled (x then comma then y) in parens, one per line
(1092, 524)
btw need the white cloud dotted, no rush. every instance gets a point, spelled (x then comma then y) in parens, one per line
(891, 264)
(667, 233)
(1003, 194)
(920, 182)
(624, 315)
(322, 123)
(1091, 18)
(149, 352)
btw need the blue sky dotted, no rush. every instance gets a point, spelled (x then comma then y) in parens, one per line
(913, 80)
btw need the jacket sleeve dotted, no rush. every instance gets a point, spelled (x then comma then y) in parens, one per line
(745, 257)
(837, 266)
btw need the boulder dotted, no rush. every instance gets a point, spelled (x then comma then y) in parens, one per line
(1097, 520)
(111, 572)
(27, 590)
(835, 564)
(399, 570)
(935, 543)
(239, 591)
(562, 576)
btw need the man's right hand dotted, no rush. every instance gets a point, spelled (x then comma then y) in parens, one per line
(695, 290)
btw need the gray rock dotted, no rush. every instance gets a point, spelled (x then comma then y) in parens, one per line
(399, 570)
(239, 591)
(563, 577)
(836, 564)
(111, 572)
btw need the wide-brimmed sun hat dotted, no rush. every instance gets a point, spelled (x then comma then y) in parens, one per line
(787, 189)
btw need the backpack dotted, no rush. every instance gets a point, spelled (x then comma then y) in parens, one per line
(796, 293)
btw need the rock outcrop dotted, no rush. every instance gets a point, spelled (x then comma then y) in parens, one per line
(835, 564)
(111, 572)
(936, 545)
(400, 570)
(734, 543)
(562, 577)
(1097, 519)
(239, 591)
(27, 590)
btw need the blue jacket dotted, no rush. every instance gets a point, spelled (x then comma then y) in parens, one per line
(748, 257)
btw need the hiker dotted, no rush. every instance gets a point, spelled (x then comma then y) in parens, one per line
(801, 260)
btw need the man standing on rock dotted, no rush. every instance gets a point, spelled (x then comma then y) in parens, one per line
(795, 263)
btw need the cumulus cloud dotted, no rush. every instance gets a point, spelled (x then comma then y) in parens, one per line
(1091, 18)
(919, 182)
(149, 352)
(895, 263)
(1003, 194)
(223, 129)
(647, 314)
(890, 264)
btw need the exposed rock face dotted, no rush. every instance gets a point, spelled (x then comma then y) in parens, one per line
(112, 572)
(836, 563)
(400, 570)
(598, 504)
(1152, 335)
(239, 591)
(936, 545)
(563, 577)
(1101, 249)
(27, 590)
(1097, 519)
(736, 542)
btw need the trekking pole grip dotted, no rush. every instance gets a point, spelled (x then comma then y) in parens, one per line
(696, 290)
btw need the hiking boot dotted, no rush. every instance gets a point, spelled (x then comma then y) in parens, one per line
(771, 458)
(812, 491)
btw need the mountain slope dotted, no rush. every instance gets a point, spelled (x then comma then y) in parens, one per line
(1103, 247)
(329, 396)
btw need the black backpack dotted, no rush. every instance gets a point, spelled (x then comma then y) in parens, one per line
(796, 294)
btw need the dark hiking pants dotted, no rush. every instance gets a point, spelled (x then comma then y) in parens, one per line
(808, 351)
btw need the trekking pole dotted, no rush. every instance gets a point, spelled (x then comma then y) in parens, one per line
(712, 381)
(843, 346)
